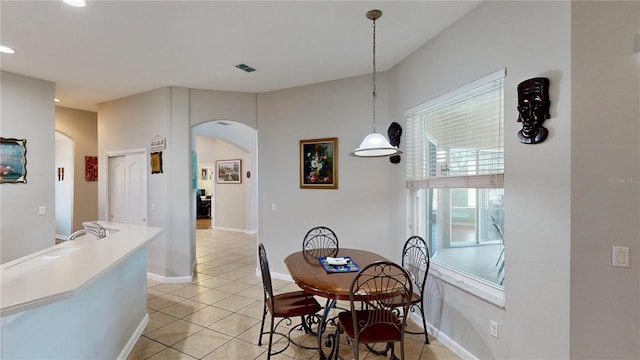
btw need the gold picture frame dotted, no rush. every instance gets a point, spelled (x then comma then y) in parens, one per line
(319, 163)
(156, 162)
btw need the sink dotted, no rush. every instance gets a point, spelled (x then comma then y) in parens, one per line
(38, 260)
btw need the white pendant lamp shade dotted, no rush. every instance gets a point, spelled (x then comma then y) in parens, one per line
(375, 145)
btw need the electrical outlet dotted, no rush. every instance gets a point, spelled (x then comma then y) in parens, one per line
(493, 328)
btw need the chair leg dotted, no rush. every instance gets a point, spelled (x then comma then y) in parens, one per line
(264, 315)
(270, 339)
(336, 339)
(424, 325)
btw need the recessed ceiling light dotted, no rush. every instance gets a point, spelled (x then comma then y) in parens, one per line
(76, 3)
(6, 50)
(56, 100)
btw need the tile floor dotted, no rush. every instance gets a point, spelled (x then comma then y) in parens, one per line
(217, 315)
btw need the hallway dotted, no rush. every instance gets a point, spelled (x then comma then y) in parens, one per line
(217, 316)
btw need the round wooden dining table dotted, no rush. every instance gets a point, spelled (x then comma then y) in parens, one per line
(309, 274)
(307, 271)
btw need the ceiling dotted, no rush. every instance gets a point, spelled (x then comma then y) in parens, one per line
(112, 49)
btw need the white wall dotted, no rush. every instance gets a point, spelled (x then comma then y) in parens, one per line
(358, 211)
(605, 168)
(231, 200)
(530, 39)
(28, 112)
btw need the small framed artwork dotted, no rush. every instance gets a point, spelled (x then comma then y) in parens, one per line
(205, 173)
(319, 163)
(91, 168)
(229, 171)
(156, 162)
(13, 160)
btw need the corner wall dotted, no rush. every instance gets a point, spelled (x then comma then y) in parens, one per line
(605, 300)
(28, 112)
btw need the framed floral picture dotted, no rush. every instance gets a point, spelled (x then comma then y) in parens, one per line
(13, 161)
(319, 163)
(229, 171)
(91, 168)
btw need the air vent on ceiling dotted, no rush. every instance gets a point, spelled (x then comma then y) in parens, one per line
(245, 67)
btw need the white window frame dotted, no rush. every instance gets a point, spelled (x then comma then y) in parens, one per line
(485, 290)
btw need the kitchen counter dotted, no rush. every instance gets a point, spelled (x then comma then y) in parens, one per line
(58, 272)
(82, 299)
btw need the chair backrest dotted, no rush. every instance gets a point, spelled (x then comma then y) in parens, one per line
(377, 287)
(415, 259)
(266, 276)
(320, 241)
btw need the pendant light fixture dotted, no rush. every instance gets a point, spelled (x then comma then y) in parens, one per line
(375, 144)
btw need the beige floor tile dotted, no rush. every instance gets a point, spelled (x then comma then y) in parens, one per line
(234, 324)
(169, 287)
(202, 343)
(145, 348)
(207, 316)
(163, 301)
(190, 291)
(235, 350)
(183, 308)
(171, 354)
(174, 332)
(255, 292)
(233, 303)
(233, 287)
(211, 296)
(214, 282)
(157, 320)
(252, 334)
(253, 310)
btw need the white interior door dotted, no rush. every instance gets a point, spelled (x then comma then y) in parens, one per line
(128, 188)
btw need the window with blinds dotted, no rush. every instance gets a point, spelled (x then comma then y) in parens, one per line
(456, 140)
(455, 179)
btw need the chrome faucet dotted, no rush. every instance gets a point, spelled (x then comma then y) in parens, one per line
(83, 231)
(102, 232)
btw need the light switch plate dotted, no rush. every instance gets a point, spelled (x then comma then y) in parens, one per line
(620, 256)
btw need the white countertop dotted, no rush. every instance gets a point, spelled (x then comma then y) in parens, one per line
(60, 271)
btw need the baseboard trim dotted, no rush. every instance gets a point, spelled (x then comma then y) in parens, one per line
(244, 231)
(134, 338)
(165, 279)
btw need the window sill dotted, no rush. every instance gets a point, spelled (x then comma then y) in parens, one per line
(482, 289)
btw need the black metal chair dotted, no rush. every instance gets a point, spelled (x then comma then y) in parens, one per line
(320, 241)
(500, 261)
(283, 306)
(416, 260)
(373, 299)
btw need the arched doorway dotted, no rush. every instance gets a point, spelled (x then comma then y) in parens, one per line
(233, 204)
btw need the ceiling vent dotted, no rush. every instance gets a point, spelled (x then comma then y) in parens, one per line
(245, 67)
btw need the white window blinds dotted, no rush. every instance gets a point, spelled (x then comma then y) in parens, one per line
(457, 139)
